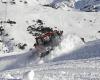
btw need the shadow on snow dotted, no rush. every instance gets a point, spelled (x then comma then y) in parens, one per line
(90, 50)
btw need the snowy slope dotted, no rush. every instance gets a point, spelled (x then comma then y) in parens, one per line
(28, 60)
(71, 60)
(69, 21)
(15, 60)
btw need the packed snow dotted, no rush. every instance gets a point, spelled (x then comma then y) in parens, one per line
(76, 58)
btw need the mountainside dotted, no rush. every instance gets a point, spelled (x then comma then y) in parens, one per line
(77, 56)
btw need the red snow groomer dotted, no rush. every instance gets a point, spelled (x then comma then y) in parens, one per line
(47, 40)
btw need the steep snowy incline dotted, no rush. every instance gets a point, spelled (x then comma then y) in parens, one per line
(75, 50)
(32, 57)
(69, 21)
(71, 60)
(81, 24)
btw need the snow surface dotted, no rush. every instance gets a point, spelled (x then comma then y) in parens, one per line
(73, 59)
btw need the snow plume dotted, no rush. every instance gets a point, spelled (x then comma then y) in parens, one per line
(29, 75)
(41, 61)
(68, 44)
